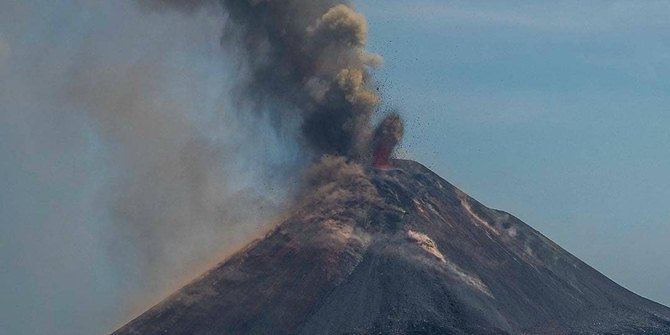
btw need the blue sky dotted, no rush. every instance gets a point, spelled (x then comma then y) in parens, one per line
(557, 112)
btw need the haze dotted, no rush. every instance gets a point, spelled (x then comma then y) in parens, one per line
(555, 112)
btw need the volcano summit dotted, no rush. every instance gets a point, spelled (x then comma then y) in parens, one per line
(401, 251)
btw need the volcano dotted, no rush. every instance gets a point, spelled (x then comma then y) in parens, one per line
(401, 251)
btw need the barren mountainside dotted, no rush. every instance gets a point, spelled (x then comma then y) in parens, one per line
(401, 251)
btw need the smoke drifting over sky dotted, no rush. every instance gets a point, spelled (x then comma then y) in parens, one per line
(129, 169)
(306, 59)
(159, 139)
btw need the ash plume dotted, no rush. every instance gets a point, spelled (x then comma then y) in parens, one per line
(121, 111)
(303, 60)
(138, 171)
(334, 178)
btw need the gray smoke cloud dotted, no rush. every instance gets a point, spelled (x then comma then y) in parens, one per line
(307, 59)
(140, 151)
(125, 170)
(179, 195)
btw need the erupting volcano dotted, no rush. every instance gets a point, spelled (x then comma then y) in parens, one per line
(368, 249)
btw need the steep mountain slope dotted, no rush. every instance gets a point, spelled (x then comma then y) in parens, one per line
(401, 251)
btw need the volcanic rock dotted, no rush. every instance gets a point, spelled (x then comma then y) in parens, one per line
(418, 256)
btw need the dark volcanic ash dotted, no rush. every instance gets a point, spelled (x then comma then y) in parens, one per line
(307, 60)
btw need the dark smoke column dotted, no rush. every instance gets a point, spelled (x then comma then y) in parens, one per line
(311, 55)
(306, 59)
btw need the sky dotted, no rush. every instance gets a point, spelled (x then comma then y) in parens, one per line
(557, 112)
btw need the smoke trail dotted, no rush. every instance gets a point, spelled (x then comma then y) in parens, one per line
(306, 59)
(125, 165)
(179, 194)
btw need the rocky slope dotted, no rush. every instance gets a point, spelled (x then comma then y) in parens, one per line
(401, 251)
